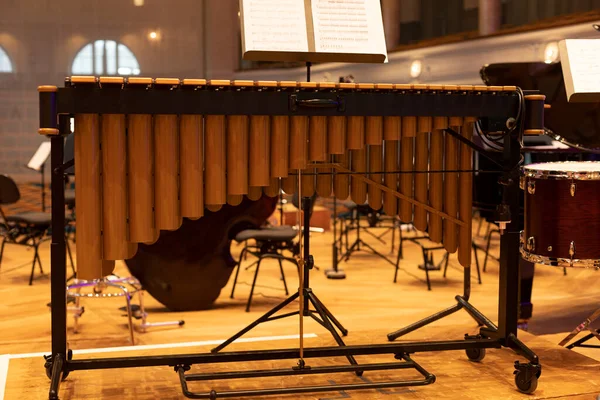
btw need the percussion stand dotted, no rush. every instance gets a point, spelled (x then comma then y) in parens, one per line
(336, 272)
(505, 333)
(585, 325)
(320, 313)
(358, 242)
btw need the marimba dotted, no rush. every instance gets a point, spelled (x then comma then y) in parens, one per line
(150, 152)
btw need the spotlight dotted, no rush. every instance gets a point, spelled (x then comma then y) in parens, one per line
(415, 69)
(138, 3)
(153, 35)
(551, 53)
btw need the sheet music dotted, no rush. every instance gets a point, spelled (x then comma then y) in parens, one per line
(274, 25)
(581, 66)
(40, 156)
(584, 56)
(348, 26)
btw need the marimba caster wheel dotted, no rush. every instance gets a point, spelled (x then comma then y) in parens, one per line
(524, 386)
(475, 354)
(48, 365)
(526, 377)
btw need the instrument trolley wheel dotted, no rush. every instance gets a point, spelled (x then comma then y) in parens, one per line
(526, 377)
(475, 354)
(48, 365)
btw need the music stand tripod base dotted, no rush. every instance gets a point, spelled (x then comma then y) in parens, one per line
(333, 274)
(320, 313)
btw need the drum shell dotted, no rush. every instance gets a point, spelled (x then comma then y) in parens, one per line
(555, 218)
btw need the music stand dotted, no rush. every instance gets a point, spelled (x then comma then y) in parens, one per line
(358, 242)
(307, 44)
(37, 163)
(304, 293)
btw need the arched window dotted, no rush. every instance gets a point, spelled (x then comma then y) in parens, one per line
(5, 64)
(105, 57)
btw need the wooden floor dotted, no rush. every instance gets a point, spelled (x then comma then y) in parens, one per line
(368, 303)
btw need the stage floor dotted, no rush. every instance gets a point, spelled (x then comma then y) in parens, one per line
(566, 374)
(368, 303)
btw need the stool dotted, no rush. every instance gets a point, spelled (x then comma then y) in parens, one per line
(122, 287)
(269, 243)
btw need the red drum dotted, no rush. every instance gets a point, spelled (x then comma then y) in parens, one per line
(562, 214)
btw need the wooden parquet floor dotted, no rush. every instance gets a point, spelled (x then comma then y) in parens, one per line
(368, 303)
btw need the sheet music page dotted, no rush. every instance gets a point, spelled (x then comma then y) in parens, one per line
(348, 26)
(274, 25)
(40, 156)
(584, 63)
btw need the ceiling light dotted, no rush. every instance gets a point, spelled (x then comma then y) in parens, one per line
(153, 35)
(415, 69)
(551, 53)
(138, 3)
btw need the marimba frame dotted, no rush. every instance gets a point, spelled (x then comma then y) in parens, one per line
(56, 106)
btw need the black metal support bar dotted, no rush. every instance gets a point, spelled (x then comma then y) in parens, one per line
(298, 390)
(295, 371)
(426, 321)
(280, 354)
(407, 363)
(58, 259)
(81, 100)
(475, 313)
(509, 281)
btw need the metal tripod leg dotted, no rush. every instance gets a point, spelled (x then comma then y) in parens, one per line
(580, 342)
(237, 271)
(583, 326)
(327, 317)
(331, 317)
(264, 318)
(283, 277)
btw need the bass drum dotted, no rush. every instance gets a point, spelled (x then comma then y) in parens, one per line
(186, 269)
(574, 124)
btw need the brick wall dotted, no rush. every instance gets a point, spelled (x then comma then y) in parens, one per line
(198, 38)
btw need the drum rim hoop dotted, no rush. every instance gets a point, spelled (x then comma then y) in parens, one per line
(559, 261)
(530, 171)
